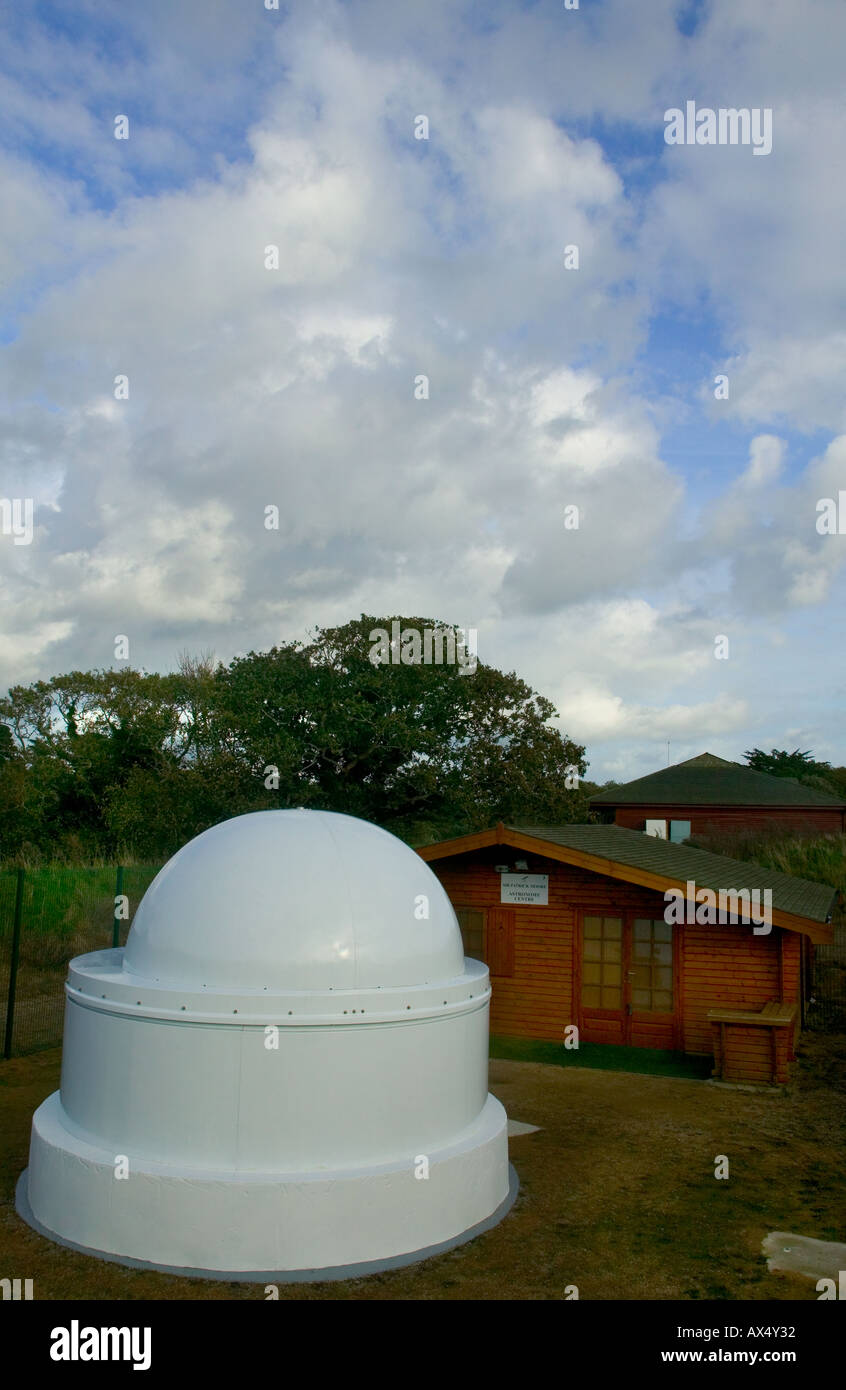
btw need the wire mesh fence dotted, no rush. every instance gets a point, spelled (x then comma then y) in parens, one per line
(48, 916)
(826, 1008)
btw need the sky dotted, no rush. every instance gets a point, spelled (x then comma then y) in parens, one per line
(165, 378)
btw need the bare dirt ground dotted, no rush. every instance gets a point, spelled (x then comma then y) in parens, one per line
(618, 1194)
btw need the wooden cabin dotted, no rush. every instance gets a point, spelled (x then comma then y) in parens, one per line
(707, 795)
(611, 930)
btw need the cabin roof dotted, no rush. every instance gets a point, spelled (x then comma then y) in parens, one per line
(797, 903)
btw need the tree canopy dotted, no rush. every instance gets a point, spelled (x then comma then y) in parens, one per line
(114, 762)
(800, 765)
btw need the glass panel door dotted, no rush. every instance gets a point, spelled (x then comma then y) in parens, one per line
(602, 1005)
(627, 986)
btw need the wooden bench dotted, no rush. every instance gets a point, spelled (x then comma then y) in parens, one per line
(775, 1015)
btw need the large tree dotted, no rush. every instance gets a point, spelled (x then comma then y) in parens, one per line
(423, 748)
(109, 761)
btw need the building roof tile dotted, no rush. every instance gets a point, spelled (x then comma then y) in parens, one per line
(711, 781)
(798, 896)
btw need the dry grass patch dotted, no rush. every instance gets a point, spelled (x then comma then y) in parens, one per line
(617, 1192)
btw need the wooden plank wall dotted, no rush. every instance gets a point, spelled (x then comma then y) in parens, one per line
(721, 965)
(726, 967)
(537, 1001)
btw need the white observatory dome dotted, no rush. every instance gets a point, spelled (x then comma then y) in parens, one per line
(283, 1074)
(330, 899)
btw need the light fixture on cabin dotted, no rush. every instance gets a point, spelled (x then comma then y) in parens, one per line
(521, 865)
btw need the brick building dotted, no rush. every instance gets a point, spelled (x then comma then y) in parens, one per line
(710, 796)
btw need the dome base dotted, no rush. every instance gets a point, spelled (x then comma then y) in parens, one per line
(277, 1276)
(272, 1227)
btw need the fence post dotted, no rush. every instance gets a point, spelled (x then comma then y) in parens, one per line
(13, 965)
(116, 920)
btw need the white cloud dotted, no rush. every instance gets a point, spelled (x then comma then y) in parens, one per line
(443, 257)
(599, 715)
(766, 461)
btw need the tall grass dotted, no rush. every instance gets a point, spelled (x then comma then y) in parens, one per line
(70, 854)
(60, 902)
(66, 912)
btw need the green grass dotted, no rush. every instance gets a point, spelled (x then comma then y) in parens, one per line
(643, 1061)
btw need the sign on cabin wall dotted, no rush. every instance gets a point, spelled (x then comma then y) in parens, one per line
(526, 889)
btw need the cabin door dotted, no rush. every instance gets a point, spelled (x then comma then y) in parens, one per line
(628, 987)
